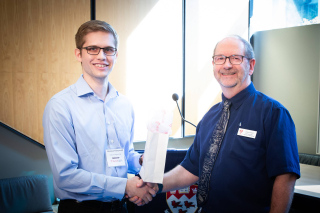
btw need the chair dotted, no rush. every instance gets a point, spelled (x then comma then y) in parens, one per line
(25, 194)
(309, 159)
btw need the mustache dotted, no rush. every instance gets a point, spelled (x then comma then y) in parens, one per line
(228, 71)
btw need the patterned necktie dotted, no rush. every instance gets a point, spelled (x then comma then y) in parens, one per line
(212, 154)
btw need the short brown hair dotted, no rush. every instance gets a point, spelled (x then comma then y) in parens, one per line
(94, 26)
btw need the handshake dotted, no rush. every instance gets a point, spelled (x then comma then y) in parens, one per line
(140, 192)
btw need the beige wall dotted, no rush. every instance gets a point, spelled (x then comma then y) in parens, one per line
(37, 57)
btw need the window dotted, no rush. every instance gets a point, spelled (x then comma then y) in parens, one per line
(275, 14)
(207, 22)
(150, 63)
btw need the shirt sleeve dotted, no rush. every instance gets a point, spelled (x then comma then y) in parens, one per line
(191, 161)
(282, 151)
(133, 158)
(61, 148)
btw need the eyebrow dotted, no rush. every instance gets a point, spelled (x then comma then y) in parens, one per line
(100, 47)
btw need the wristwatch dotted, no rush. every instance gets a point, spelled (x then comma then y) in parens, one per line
(137, 174)
(160, 186)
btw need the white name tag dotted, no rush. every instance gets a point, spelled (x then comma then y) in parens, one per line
(247, 133)
(115, 157)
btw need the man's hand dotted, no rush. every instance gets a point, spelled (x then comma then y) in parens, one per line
(138, 201)
(154, 186)
(177, 178)
(143, 193)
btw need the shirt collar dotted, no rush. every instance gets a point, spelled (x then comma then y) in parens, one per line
(112, 93)
(83, 88)
(239, 98)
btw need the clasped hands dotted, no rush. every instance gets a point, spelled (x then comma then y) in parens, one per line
(140, 192)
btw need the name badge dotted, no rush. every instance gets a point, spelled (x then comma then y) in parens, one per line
(247, 133)
(115, 157)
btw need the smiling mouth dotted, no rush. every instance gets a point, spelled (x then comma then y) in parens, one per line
(100, 65)
(225, 74)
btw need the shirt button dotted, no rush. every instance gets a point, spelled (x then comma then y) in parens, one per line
(111, 141)
(108, 122)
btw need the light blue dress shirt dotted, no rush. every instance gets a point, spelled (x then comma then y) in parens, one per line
(78, 129)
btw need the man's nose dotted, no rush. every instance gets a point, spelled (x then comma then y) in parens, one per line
(101, 54)
(227, 64)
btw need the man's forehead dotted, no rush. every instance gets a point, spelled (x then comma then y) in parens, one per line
(230, 45)
(97, 38)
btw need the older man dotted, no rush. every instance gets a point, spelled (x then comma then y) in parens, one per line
(244, 155)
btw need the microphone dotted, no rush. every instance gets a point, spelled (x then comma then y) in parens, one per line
(175, 97)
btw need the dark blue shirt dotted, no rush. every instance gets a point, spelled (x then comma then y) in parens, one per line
(244, 172)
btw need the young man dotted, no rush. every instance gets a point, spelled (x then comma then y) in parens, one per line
(88, 131)
(245, 154)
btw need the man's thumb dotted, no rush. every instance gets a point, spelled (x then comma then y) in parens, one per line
(140, 183)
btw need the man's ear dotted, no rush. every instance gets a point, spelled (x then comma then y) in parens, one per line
(77, 53)
(251, 64)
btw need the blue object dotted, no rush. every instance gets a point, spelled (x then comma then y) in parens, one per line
(78, 129)
(160, 188)
(244, 172)
(25, 194)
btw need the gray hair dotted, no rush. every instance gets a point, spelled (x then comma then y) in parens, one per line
(247, 46)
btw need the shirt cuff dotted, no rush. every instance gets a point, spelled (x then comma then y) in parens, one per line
(115, 187)
(135, 163)
(283, 170)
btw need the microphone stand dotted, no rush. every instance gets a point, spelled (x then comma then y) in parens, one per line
(182, 116)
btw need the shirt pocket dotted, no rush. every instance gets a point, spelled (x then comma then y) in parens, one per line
(245, 148)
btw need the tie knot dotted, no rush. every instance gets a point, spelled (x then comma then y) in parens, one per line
(226, 104)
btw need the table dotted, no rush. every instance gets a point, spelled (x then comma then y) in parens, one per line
(309, 182)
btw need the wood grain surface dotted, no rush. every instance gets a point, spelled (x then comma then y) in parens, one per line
(37, 51)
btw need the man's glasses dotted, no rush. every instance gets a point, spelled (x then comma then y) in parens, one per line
(93, 50)
(234, 59)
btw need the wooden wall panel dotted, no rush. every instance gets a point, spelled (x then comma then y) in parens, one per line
(6, 100)
(25, 96)
(6, 35)
(37, 57)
